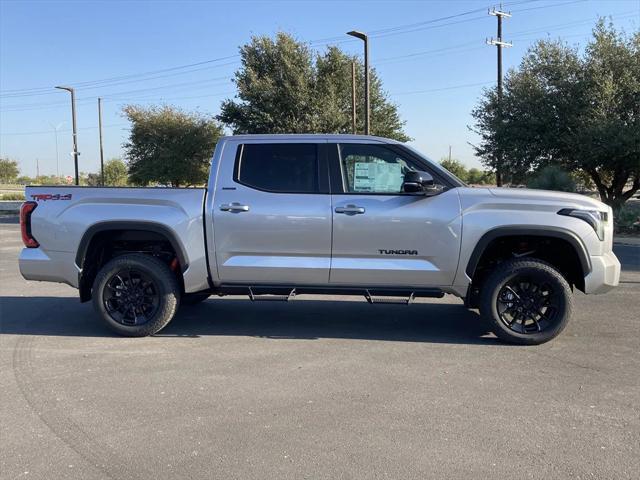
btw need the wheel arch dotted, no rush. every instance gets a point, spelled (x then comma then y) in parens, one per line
(96, 231)
(514, 231)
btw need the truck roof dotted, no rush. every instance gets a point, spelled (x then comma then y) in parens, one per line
(315, 137)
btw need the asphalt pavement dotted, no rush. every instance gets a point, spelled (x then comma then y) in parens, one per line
(314, 388)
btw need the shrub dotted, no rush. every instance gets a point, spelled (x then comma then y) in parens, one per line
(12, 196)
(627, 218)
(456, 167)
(553, 178)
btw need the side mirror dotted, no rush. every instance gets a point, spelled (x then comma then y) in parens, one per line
(420, 183)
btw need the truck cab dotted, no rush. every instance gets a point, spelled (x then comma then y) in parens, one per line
(330, 211)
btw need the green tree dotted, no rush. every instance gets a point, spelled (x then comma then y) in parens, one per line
(169, 146)
(283, 87)
(9, 170)
(115, 173)
(577, 111)
(456, 167)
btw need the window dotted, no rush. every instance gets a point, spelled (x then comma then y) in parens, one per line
(372, 169)
(279, 167)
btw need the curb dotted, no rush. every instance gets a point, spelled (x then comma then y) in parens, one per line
(10, 206)
(631, 240)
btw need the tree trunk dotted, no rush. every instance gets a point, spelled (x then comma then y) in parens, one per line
(614, 195)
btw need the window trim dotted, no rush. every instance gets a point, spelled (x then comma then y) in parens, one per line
(323, 184)
(338, 177)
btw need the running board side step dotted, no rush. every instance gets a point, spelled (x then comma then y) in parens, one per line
(373, 294)
(271, 297)
(388, 299)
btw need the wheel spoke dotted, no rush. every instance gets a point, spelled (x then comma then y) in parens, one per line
(536, 324)
(508, 288)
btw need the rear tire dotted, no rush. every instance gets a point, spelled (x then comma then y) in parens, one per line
(526, 301)
(136, 295)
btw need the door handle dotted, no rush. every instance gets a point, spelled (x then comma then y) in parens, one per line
(234, 207)
(350, 210)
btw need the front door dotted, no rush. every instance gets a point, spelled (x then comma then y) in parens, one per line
(382, 236)
(272, 214)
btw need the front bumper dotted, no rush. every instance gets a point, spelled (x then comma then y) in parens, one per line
(604, 275)
(48, 266)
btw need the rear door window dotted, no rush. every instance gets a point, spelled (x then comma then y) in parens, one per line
(279, 167)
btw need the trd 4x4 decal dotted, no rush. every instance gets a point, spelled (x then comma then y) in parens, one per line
(50, 196)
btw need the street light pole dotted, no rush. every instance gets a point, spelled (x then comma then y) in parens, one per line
(367, 108)
(75, 132)
(100, 135)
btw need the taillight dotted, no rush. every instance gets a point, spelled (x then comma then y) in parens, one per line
(25, 224)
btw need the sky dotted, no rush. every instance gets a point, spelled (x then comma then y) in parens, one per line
(430, 55)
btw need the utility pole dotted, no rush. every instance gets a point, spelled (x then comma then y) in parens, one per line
(75, 130)
(55, 129)
(100, 135)
(499, 44)
(449, 153)
(37, 168)
(354, 127)
(367, 107)
(57, 156)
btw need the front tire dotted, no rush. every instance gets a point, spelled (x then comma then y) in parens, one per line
(526, 301)
(136, 295)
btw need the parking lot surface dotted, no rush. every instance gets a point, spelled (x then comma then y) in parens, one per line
(314, 388)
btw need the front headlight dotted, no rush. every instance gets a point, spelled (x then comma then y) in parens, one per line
(595, 218)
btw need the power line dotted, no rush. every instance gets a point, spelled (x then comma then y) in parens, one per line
(441, 89)
(137, 77)
(122, 79)
(466, 47)
(460, 48)
(125, 82)
(80, 85)
(433, 90)
(416, 25)
(35, 106)
(43, 132)
(576, 23)
(432, 24)
(102, 82)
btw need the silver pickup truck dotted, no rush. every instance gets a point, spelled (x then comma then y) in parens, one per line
(322, 214)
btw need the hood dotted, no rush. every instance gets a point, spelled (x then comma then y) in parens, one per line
(562, 199)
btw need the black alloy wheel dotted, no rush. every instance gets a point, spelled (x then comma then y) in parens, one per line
(131, 297)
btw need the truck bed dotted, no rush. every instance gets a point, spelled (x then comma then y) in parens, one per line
(65, 214)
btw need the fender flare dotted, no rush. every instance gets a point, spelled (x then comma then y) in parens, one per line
(130, 225)
(526, 230)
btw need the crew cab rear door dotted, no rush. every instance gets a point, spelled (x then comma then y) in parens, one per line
(272, 213)
(382, 236)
